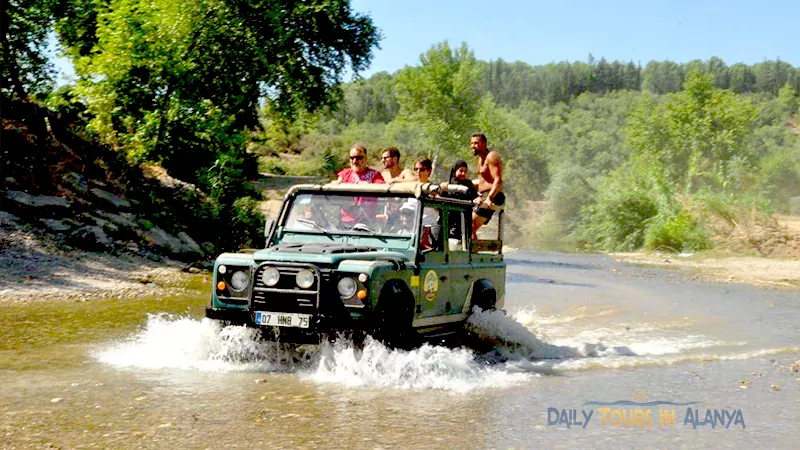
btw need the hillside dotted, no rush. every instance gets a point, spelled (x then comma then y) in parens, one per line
(85, 196)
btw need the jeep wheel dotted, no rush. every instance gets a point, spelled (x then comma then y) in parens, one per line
(484, 297)
(393, 316)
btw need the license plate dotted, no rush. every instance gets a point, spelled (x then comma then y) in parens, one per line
(275, 319)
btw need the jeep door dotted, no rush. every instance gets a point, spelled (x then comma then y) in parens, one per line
(434, 278)
(458, 226)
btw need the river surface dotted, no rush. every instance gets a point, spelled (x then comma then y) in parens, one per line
(579, 330)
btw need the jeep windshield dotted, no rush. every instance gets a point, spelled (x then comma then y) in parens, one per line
(344, 216)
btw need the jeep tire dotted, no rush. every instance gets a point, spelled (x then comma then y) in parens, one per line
(393, 317)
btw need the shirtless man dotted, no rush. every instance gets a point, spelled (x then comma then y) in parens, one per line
(489, 182)
(393, 171)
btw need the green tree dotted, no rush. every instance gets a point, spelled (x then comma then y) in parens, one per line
(441, 95)
(25, 68)
(662, 77)
(696, 134)
(177, 81)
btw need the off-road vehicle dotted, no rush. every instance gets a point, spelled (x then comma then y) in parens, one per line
(394, 261)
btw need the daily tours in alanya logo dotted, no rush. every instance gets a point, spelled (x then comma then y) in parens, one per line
(643, 414)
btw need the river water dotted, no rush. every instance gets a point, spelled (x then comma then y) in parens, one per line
(579, 329)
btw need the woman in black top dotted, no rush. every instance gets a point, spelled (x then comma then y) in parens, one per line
(458, 175)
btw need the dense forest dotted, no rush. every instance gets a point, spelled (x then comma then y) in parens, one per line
(598, 154)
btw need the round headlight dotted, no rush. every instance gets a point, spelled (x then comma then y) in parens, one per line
(305, 278)
(270, 276)
(239, 281)
(222, 269)
(347, 287)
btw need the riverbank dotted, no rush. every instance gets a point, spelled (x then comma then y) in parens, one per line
(36, 268)
(780, 269)
(753, 270)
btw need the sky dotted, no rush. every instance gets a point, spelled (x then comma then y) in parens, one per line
(540, 32)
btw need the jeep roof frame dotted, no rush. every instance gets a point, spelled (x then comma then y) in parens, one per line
(423, 191)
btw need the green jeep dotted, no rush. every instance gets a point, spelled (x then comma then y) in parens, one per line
(393, 261)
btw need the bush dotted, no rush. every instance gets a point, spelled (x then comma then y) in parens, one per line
(618, 220)
(247, 224)
(272, 164)
(675, 232)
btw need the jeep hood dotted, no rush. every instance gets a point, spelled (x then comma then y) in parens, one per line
(324, 253)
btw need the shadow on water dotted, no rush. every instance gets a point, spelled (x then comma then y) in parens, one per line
(549, 264)
(525, 278)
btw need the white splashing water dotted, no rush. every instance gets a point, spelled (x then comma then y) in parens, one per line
(427, 367)
(184, 343)
(520, 352)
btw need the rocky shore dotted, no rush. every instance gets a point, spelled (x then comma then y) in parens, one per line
(37, 266)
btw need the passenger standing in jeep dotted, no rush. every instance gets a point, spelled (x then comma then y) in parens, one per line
(363, 209)
(489, 182)
(358, 172)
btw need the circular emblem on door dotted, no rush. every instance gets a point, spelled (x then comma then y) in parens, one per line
(431, 285)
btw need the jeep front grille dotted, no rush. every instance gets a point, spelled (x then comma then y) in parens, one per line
(286, 296)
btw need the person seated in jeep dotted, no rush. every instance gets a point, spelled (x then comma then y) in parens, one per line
(404, 224)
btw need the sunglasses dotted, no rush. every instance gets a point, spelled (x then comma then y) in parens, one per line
(356, 158)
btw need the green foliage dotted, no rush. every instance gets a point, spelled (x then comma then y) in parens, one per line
(299, 166)
(676, 232)
(65, 102)
(225, 180)
(619, 220)
(779, 176)
(695, 135)
(521, 147)
(568, 193)
(370, 100)
(441, 95)
(246, 226)
(24, 67)
(166, 79)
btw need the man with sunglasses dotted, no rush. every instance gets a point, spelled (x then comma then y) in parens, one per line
(364, 209)
(358, 172)
(392, 170)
